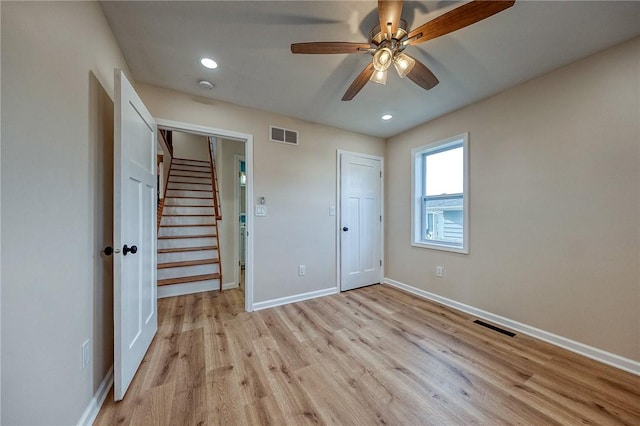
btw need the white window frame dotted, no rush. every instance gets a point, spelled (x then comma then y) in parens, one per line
(417, 192)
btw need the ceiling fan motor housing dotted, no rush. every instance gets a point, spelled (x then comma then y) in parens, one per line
(377, 36)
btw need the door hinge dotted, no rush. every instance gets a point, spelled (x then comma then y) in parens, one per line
(380, 218)
(380, 173)
(380, 262)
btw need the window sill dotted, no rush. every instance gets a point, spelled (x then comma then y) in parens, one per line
(441, 247)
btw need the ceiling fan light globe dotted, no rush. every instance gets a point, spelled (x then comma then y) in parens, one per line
(403, 64)
(379, 77)
(382, 59)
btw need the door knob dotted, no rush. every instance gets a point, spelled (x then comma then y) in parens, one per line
(345, 229)
(132, 250)
(108, 250)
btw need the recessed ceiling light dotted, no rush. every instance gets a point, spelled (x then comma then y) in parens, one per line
(387, 117)
(209, 63)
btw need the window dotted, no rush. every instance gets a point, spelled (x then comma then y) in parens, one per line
(440, 210)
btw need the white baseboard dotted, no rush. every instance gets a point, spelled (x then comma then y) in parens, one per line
(605, 357)
(92, 410)
(292, 299)
(229, 286)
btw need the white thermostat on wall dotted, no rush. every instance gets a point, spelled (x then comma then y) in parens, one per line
(261, 210)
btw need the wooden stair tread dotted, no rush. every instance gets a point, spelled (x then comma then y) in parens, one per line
(177, 169)
(188, 263)
(186, 205)
(189, 215)
(182, 280)
(178, 237)
(185, 249)
(190, 159)
(186, 226)
(183, 189)
(205, 182)
(193, 198)
(208, 176)
(192, 165)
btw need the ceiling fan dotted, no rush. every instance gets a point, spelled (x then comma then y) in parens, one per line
(389, 39)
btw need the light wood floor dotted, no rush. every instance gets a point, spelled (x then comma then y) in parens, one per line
(370, 356)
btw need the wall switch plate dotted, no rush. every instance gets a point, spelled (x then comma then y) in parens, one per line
(86, 353)
(301, 270)
(332, 210)
(261, 210)
(439, 271)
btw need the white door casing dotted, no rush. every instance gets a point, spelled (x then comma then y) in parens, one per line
(360, 220)
(134, 224)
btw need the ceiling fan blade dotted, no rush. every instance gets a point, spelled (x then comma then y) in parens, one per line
(458, 18)
(358, 83)
(389, 11)
(422, 76)
(325, 47)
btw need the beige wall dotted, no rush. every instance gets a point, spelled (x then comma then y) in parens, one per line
(227, 179)
(554, 204)
(57, 142)
(190, 146)
(298, 182)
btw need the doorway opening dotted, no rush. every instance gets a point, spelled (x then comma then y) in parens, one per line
(226, 147)
(240, 218)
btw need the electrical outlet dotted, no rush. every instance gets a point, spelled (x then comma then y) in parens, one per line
(86, 353)
(301, 270)
(439, 271)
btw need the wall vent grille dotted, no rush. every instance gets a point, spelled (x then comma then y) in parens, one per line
(495, 328)
(282, 135)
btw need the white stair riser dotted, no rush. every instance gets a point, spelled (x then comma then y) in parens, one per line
(186, 231)
(199, 174)
(184, 256)
(188, 167)
(172, 201)
(187, 220)
(187, 288)
(186, 242)
(188, 210)
(188, 185)
(181, 179)
(187, 271)
(185, 193)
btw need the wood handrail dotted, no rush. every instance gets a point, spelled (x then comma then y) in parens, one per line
(216, 194)
(216, 206)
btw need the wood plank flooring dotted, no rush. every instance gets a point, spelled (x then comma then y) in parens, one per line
(375, 355)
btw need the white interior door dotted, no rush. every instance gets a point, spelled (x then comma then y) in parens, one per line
(360, 220)
(134, 233)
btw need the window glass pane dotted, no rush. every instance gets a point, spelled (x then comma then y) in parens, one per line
(445, 219)
(444, 172)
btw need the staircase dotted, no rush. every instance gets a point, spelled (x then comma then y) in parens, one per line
(188, 246)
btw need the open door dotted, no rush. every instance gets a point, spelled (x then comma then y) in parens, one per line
(134, 233)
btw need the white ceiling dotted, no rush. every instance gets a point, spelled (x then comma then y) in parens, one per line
(163, 42)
